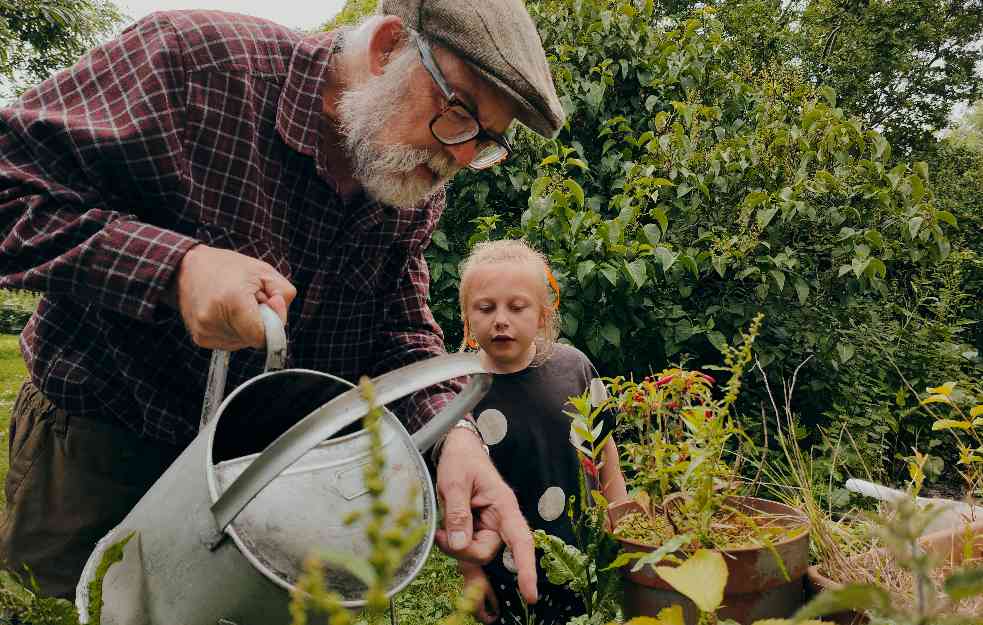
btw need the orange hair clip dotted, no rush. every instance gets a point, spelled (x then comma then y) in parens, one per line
(556, 287)
(470, 341)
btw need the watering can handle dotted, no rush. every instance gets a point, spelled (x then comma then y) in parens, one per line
(344, 410)
(276, 358)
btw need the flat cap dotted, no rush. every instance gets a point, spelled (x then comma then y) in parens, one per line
(499, 40)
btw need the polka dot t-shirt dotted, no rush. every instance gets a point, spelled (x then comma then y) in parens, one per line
(523, 423)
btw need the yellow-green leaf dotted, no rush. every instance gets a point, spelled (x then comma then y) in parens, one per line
(935, 399)
(948, 424)
(667, 616)
(945, 389)
(701, 578)
(976, 411)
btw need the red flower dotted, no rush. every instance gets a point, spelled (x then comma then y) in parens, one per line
(707, 378)
(673, 405)
(665, 380)
(589, 467)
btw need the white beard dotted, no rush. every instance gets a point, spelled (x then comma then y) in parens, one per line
(386, 172)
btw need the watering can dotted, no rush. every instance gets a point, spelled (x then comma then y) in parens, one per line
(221, 537)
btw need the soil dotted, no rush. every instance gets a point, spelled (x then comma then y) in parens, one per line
(729, 530)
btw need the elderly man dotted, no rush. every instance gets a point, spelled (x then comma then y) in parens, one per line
(203, 162)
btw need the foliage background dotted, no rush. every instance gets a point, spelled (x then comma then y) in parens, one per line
(728, 157)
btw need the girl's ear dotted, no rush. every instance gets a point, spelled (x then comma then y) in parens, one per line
(543, 314)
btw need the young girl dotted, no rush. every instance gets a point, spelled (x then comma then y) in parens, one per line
(509, 303)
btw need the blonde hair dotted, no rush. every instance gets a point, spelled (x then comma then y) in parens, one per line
(515, 251)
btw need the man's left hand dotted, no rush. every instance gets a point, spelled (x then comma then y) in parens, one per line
(467, 480)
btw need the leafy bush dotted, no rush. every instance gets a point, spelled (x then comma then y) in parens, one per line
(688, 193)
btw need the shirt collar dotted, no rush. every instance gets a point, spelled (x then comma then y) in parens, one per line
(299, 117)
(299, 112)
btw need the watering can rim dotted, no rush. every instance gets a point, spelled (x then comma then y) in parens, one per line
(247, 550)
(320, 425)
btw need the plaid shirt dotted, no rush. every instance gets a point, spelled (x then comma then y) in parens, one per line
(197, 127)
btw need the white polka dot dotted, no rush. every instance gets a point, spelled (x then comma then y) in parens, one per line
(598, 392)
(508, 561)
(552, 503)
(492, 425)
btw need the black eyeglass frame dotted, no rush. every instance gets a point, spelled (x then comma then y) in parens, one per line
(430, 64)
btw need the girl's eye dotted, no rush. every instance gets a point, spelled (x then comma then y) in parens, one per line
(485, 308)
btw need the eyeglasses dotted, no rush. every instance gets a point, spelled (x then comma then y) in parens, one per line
(456, 123)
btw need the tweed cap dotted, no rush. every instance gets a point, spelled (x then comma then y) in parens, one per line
(499, 40)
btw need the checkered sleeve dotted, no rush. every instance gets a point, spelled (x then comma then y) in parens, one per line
(411, 333)
(75, 152)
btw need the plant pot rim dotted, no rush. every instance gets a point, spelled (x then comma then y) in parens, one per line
(936, 539)
(792, 512)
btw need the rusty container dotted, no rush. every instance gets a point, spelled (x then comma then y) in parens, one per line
(757, 586)
(947, 544)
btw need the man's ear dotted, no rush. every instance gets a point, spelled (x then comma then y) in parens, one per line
(387, 36)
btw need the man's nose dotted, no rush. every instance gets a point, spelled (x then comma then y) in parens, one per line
(463, 153)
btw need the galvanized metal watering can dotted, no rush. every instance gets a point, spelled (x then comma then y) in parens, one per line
(221, 537)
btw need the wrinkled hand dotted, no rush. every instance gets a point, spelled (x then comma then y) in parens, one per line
(487, 608)
(466, 480)
(217, 291)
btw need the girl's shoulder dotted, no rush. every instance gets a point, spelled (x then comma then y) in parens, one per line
(568, 358)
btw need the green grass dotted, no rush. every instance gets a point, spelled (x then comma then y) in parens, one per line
(12, 374)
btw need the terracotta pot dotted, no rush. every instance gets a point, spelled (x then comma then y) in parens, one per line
(756, 588)
(946, 544)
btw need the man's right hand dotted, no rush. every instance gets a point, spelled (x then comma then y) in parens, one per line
(217, 292)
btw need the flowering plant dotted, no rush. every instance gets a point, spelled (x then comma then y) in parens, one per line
(682, 434)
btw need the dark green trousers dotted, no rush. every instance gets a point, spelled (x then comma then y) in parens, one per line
(71, 480)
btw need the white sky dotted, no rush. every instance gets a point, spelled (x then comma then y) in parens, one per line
(304, 14)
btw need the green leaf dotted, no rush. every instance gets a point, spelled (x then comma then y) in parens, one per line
(921, 168)
(652, 234)
(584, 270)
(575, 190)
(549, 160)
(720, 265)
(718, 340)
(858, 597)
(765, 216)
(666, 258)
(564, 564)
(701, 578)
(440, 240)
(689, 263)
(947, 217)
(845, 351)
(636, 269)
(576, 162)
(965, 583)
(660, 216)
(779, 278)
(914, 225)
(828, 94)
(874, 237)
(755, 198)
(876, 267)
(610, 273)
(611, 334)
(661, 119)
(950, 424)
(666, 549)
(802, 290)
